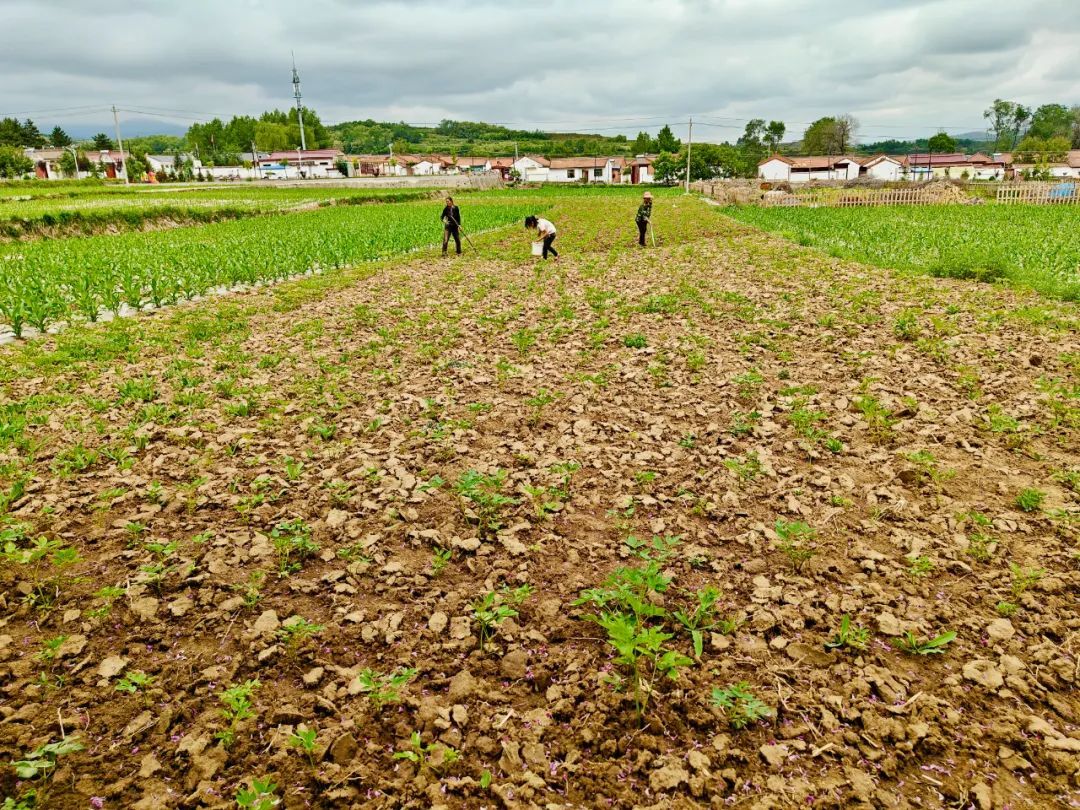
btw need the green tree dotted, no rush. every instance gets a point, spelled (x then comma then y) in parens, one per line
(13, 163)
(774, 135)
(102, 142)
(11, 132)
(668, 169)
(1050, 121)
(831, 135)
(751, 147)
(271, 137)
(136, 166)
(942, 142)
(68, 164)
(59, 138)
(1007, 119)
(643, 144)
(31, 135)
(666, 140)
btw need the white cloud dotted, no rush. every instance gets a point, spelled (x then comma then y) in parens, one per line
(901, 67)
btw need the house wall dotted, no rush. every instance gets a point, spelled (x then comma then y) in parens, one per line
(884, 170)
(773, 170)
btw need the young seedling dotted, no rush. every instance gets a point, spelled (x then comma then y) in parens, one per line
(489, 612)
(910, 643)
(294, 468)
(1006, 609)
(252, 589)
(1022, 578)
(920, 567)
(292, 542)
(701, 619)
(238, 708)
(440, 558)
(741, 706)
(304, 739)
(260, 795)
(635, 341)
(483, 493)
(383, 689)
(849, 635)
(1030, 500)
(40, 766)
(793, 538)
(135, 681)
(294, 632)
(435, 755)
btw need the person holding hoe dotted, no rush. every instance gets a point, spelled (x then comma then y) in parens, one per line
(546, 231)
(644, 217)
(451, 218)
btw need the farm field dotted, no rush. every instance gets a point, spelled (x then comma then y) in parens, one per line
(1037, 246)
(727, 522)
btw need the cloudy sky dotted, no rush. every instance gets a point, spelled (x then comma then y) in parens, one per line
(902, 67)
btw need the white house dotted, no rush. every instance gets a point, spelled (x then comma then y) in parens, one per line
(428, 166)
(639, 170)
(955, 165)
(585, 170)
(309, 163)
(1067, 168)
(532, 168)
(804, 169)
(882, 167)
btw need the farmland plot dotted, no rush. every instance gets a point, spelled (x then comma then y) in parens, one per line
(728, 522)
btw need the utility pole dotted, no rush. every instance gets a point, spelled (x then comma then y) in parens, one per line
(120, 143)
(299, 107)
(689, 143)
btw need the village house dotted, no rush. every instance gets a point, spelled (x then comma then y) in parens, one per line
(108, 163)
(639, 170)
(805, 169)
(955, 166)
(296, 163)
(1069, 168)
(882, 167)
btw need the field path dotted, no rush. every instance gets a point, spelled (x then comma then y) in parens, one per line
(720, 389)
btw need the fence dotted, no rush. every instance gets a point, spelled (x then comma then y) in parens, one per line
(1040, 194)
(892, 196)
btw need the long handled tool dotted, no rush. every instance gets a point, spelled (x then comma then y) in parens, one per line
(652, 233)
(467, 239)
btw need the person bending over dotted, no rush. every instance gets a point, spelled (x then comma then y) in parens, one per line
(546, 231)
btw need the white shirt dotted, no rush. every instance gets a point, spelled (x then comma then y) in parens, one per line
(544, 227)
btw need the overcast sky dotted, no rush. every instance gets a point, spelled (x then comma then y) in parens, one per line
(902, 67)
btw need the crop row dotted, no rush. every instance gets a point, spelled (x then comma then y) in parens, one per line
(43, 283)
(1036, 246)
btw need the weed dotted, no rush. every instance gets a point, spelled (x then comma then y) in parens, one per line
(927, 469)
(748, 384)
(294, 468)
(238, 708)
(440, 558)
(906, 325)
(920, 567)
(260, 795)
(489, 612)
(251, 591)
(849, 635)
(879, 419)
(134, 681)
(383, 689)
(304, 739)
(1006, 609)
(741, 706)
(701, 619)
(746, 468)
(434, 755)
(1022, 578)
(40, 765)
(742, 424)
(295, 631)
(635, 341)
(1030, 500)
(293, 544)
(793, 538)
(910, 643)
(484, 494)
(324, 430)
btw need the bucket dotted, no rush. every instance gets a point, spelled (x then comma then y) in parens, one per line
(537, 248)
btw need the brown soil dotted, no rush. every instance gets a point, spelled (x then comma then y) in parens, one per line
(394, 362)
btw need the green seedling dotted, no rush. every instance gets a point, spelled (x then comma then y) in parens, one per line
(295, 632)
(40, 766)
(483, 494)
(1006, 609)
(292, 542)
(304, 739)
(260, 795)
(746, 468)
(910, 643)
(44, 561)
(1030, 500)
(294, 468)
(849, 635)
(1022, 578)
(793, 539)
(921, 566)
(440, 558)
(740, 706)
(485, 780)
(489, 612)
(238, 708)
(382, 689)
(635, 341)
(435, 756)
(252, 589)
(50, 648)
(702, 618)
(660, 549)
(135, 681)
(742, 424)
(324, 430)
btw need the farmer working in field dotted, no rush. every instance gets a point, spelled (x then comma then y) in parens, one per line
(451, 217)
(644, 217)
(546, 231)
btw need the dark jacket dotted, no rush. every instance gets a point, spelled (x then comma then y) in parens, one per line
(451, 216)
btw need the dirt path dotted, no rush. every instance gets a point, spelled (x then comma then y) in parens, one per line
(704, 391)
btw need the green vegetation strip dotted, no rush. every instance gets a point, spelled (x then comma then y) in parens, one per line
(1029, 245)
(43, 283)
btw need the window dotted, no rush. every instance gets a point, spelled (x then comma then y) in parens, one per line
(597, 172)
(570, 174)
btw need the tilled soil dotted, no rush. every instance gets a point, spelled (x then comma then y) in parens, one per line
(898, 418)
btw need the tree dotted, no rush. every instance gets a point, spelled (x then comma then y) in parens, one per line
(942, 142)
(831, 135)
(102, 142)
(1051, 121)
(136, 166)
(751, 148)
(59, 138)
(68, 164)
(668, 169)
(1007, 119)
(13, 163)
(774, 134)
(11, 133)
(1041, 152)
(643, 144)
(31, 135)
(1075, 126)
(666, 140)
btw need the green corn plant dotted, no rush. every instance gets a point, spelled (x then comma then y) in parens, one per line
(910, 643)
